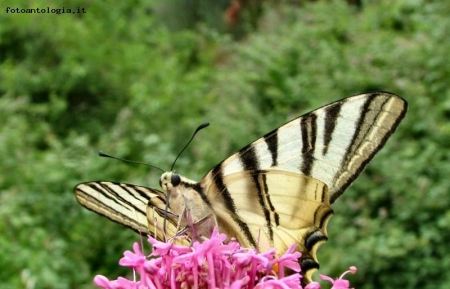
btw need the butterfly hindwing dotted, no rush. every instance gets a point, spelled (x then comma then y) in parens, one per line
(273, 208)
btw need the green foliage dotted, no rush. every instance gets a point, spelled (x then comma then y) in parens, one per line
(117, 79)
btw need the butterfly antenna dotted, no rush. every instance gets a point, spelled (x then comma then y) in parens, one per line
(102, 154)
(200, 127)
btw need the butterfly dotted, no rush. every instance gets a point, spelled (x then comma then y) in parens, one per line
(276, 191)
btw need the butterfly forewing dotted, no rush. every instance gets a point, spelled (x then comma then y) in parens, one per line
(332, 144)
(122, 203)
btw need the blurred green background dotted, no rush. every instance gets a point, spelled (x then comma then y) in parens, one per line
(135, 78)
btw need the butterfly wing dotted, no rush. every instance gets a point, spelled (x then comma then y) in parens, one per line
(326, 148)
(332, 144)
(123, 203)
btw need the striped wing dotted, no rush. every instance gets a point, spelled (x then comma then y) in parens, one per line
(138, 208)
(332, 144)
(285, 181)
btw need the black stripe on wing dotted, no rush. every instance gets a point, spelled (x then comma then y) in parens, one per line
(367, 116)
(308, 127)
(122, 203)
(266, 194)
(229, 204)
(249, 160)
(331, 119)
(271, 140)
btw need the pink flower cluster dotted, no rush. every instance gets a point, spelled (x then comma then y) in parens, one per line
(213, 263)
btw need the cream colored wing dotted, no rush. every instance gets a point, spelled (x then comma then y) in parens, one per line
(136, 207)
(273, 208)
(332, 144)
(139, 208)
(326, 148)
(279, 209)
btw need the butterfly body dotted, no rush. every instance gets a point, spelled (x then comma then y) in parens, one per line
(186, 202)
(276, 191)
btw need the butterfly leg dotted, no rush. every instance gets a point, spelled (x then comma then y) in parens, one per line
(158, 216)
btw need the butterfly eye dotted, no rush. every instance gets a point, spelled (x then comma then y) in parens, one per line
(175, 180)
(160, 183)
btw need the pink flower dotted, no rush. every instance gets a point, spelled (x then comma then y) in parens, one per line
(340, 283)
(290, 260)
(133, 260)
(214, 263)
(292, 281)
(120, 283)
(313, 285)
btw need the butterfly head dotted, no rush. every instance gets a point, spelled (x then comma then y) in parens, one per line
(169, 180)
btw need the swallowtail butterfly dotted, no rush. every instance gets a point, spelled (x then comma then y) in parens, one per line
(275, 191)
